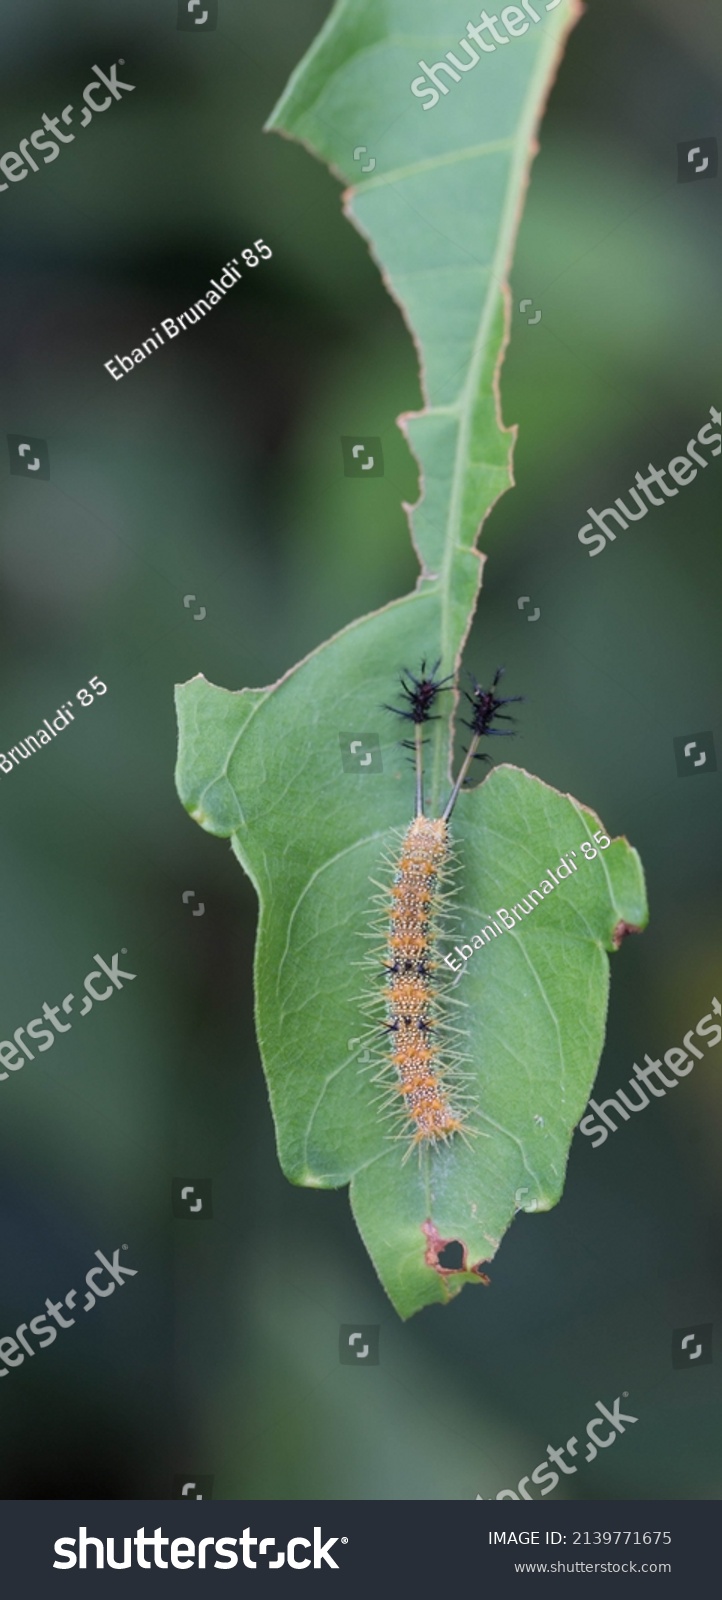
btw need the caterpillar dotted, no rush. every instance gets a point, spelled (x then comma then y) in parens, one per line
(417, 1045)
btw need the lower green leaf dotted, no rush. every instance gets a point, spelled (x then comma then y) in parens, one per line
(532, 983)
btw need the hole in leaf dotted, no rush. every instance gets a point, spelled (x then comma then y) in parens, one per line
(451, 1258)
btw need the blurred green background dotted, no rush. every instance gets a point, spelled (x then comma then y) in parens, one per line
(215, 470)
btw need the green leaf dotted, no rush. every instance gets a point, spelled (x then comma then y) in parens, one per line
(440, 211)
(264, 767)
(310, 839)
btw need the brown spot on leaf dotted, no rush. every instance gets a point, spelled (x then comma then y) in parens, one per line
(621, 931)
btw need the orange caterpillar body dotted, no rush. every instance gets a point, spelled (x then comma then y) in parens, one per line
(415, 1048)
(421, 1073)
(414, 1019)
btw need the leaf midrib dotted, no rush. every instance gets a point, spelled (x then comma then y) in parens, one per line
(465, 404)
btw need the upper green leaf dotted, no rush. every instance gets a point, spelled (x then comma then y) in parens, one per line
(440, 212)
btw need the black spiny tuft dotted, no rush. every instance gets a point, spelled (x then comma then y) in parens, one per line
(486, 709)
(420, 694)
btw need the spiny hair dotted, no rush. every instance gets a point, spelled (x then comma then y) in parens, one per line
(486, 709)
(419, 697)
(420, 693)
